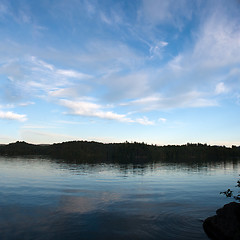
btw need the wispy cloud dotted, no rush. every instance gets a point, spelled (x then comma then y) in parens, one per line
(70, 92)
(38, 126)
(89, 109)
(20, 104)
(144, 121)
(157, 49)
(166, 11)
(34, 76)
(126, 86)
(181, 100)
(23, 104)
(221, 88)
(70, 122)
(218, 42)
(104, 18)
(39, 137)
(192, 77)
(163, 120)
(13, 116)
(72, 74)
(103, 56)
(124, 65)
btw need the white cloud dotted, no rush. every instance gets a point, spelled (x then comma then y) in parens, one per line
(72, 92)
(202, 102)
(71, 74)
(90, 109)
(13, 116)
(23, 104)
(31, 76)
(163, 120)
(152, 56)
(7, 106)
(144, 121)
(176, 64)
(218, 42)
(147, 100)
(41, 63)
(191, 78)
(149, 103)
(52, 71)
(221, 88)
(62, 92)
(181, 100)
(157, 49)
(103, 56)
(163, 44)
(188, 80)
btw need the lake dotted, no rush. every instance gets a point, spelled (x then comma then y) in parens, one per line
(47, 199)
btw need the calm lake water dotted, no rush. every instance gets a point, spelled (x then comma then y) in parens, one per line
(46, 199)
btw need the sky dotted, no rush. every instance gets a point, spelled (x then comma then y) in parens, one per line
(154, 71)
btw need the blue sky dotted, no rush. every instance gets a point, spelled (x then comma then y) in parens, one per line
(161, 72)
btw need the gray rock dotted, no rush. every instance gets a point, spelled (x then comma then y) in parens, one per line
(226, 224)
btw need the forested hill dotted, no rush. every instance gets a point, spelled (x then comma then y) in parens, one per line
(83, 151)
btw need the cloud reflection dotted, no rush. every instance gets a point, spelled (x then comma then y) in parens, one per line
(92, 201)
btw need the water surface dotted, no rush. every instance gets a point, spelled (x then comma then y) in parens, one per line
(45, 199)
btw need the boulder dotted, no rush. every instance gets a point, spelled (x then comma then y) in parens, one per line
(225, 225)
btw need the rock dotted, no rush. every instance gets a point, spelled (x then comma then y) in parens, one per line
(226, 224)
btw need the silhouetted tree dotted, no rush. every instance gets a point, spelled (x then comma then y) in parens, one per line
(229, 192)
(83, 151)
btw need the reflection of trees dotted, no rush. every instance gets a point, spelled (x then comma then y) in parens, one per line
(94, 152)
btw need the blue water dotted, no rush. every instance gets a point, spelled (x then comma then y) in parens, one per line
(45, 199)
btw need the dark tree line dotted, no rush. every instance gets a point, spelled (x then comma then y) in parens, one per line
(83, 151)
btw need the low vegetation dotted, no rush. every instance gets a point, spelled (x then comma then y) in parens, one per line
(230, 193)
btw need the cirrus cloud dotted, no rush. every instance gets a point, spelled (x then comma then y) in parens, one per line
(89, 109)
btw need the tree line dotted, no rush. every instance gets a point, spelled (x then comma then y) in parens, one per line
(95, 152)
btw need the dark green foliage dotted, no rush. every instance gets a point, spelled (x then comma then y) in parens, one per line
(229, 192)
(21, 148)
(94, 152)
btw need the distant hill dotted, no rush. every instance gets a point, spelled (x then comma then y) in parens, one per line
(94, 152)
